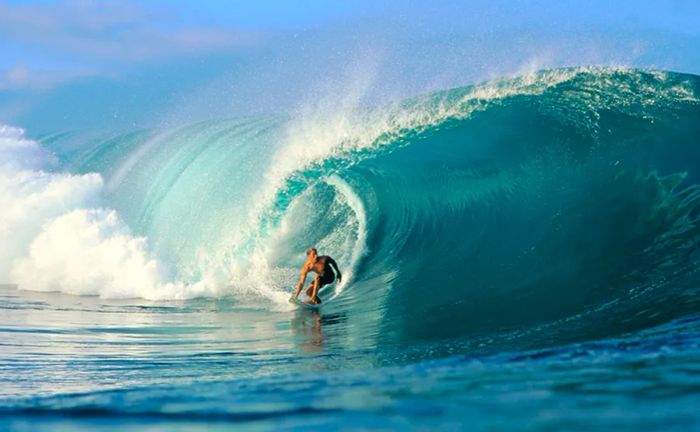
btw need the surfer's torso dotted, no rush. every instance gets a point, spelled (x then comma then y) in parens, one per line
(320, 266)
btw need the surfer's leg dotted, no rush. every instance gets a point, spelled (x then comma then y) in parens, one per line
(317, 299)
(328, 277)
(314, 292)
(310, 289)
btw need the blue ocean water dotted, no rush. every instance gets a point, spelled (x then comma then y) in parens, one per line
(519, 254)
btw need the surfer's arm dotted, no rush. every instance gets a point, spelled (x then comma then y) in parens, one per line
(333, 264)
(302, 279)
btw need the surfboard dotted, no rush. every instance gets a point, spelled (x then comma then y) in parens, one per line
(305, 305)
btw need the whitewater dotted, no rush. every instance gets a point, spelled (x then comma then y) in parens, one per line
(542, 225)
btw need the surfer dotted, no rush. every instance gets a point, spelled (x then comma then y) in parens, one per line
(321, 265)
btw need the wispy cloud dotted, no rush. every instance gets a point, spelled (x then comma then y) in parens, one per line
(21, 77)
(110, 31)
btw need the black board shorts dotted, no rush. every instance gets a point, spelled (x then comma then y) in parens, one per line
(326, 278)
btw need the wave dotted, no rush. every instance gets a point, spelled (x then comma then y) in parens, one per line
(566, 196)
(58, 235)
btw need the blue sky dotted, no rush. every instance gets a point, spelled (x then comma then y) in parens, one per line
(72, 61)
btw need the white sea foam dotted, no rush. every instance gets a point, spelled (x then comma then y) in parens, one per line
(57, 234)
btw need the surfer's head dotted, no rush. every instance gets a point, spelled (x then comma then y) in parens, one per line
(311, 253)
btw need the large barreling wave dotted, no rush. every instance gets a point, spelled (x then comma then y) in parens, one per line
(565, 200)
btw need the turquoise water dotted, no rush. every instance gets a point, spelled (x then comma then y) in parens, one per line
(520, 254)
(70, 363)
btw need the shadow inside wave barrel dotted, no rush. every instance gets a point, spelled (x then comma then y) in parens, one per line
(572, 213)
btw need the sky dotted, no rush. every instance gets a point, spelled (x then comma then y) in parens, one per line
(68, 64)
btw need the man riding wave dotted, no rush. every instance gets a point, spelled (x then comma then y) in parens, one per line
(321, 265)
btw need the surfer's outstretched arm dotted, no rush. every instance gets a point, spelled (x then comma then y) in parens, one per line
(333, 264)
(302, 279)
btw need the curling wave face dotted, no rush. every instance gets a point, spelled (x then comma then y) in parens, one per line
(563, 202)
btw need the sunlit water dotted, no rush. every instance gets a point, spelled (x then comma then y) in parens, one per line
(80, 362)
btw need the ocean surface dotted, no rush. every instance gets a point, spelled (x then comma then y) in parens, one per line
(520, 254)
